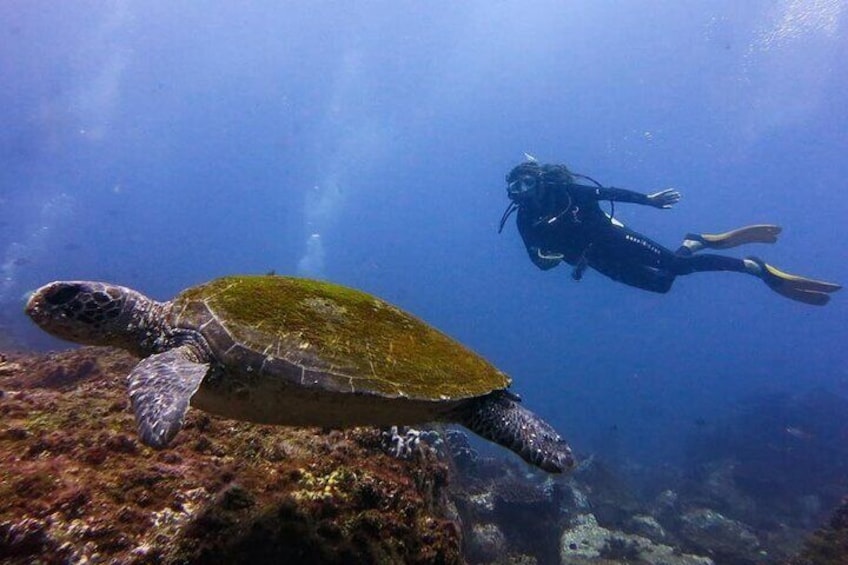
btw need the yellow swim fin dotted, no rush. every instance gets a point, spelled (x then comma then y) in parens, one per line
(759, 233)
(795, 287)
(806, 296)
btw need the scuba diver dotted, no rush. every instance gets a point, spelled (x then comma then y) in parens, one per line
(560, 220)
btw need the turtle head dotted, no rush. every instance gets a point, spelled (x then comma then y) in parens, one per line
(91, 313)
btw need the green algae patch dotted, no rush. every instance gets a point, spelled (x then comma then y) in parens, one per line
(350, 336)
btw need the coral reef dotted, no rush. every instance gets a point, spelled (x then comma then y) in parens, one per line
(829, 545)
(587, 542)
(530, 515)
(723, 537)
(510, 514)
(78, 486)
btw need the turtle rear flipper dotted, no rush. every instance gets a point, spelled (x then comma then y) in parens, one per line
(501, 419)
(161, 387)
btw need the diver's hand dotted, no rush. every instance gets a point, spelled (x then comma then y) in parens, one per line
(664, 199)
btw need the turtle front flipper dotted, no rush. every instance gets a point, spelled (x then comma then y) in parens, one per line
(500, 418)
(161, 387)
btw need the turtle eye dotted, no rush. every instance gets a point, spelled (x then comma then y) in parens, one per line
(61, 296)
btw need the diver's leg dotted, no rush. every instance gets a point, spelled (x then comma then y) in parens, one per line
(639, 276)
(685, 265)
(801, 289)
(632, 258)
(759, 233)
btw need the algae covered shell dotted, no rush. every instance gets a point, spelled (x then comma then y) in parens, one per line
(339, 338)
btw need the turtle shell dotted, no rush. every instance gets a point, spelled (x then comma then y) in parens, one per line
(330, 337)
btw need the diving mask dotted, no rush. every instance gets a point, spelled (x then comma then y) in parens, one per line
(522, 187)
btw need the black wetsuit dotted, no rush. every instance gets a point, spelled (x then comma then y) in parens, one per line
(568, 221)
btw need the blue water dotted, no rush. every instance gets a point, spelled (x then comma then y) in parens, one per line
(161, 144)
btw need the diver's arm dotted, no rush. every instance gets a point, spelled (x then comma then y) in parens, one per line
(662, 199)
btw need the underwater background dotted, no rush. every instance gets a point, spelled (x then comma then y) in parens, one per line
(158, 145)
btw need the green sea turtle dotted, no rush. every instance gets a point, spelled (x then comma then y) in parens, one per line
(291, 351)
